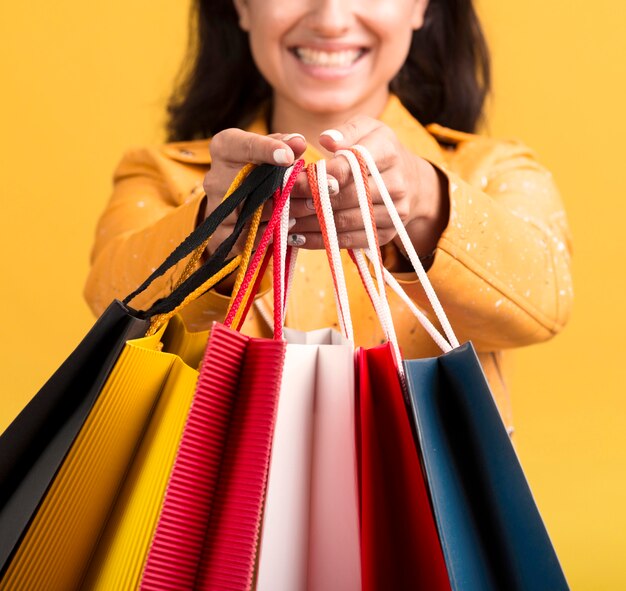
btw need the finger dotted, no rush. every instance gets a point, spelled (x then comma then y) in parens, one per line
(235, 147)
(357, 239)
(302, 198)
(384, 148)
(347, 220)
(350, 133)
(347, 197)
(296, 141)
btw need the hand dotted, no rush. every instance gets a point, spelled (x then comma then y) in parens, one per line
(231, 150)
(413, 183)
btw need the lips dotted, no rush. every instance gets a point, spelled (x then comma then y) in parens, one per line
(342, 58)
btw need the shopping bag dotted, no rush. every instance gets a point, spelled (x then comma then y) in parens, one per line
(61, 392)
(56, 548)
(35, 443)
(491, 532)
(207, 531)
(117, 556)
(310, 536)
(399, 542)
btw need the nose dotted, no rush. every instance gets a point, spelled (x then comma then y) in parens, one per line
(331, 18)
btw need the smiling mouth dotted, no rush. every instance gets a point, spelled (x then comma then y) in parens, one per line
(328, 59)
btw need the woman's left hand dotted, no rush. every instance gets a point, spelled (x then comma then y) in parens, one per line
(417, 189)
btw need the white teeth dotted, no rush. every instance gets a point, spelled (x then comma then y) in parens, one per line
(328, 59)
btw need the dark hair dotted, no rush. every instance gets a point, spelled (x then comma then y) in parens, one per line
(445, 78)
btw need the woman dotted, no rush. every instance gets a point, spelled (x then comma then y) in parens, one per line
(275, 81)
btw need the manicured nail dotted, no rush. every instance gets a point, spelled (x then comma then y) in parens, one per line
(310, 204)
(296, 239)
(333, 134)
(292, 223)
(290, 136)
(333, 185)
(281, 156)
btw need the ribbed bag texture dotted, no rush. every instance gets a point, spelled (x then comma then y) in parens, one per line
(208, 532)
(35, 444)
(176, 548)
(230, 548)
(122, 550)
(56, 548)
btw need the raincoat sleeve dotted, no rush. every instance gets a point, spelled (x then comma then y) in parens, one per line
(502, 266)
(155, 204)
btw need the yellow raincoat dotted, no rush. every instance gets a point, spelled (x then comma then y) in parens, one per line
(501, 269)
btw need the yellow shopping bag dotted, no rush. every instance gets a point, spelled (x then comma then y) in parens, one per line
(57, 547)
(120, 554)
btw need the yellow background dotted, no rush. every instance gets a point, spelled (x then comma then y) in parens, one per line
(82, 81)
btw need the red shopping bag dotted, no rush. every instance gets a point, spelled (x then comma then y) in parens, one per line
(400, 547)
(208, 530)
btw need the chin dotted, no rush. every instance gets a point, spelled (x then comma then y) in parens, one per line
(328, 102)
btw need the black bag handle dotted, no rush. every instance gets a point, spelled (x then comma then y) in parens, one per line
(218, 259)
(257, 188)
(265, 178)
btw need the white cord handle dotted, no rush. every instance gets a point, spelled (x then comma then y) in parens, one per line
(341, 291)
(421, 317)
(368, 283)
(370, 233)
(390, 280)
(408, 245)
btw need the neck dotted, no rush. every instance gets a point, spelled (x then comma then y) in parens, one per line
(288, 117)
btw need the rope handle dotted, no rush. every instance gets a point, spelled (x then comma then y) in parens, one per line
(359, 258)
(195, 257)
(408, 245)
(318, 184)
(245, 291)
(246, 255)
(280, 257)
(367, 213)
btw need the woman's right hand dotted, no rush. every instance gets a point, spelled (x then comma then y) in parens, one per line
(231, 150)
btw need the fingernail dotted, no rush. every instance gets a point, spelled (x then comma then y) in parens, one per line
(281, 156)
(296, 239)
(310, 204)
(333, 185)
(290, 136)
(292, 223)
(333, 134)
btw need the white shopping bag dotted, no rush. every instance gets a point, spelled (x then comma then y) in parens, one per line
(310, 534)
